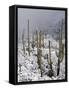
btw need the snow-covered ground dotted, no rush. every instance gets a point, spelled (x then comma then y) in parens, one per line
(28, 69)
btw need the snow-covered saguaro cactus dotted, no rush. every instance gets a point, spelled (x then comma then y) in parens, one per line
(62, 52)
(23, 42)
(36, 39)
(40, 36)
(33, 41)
(43, 39)
(39, 52)
(28, 40)
(61, 49)
(37, 49)
(50, 73)
(61, 45)
(49, 59)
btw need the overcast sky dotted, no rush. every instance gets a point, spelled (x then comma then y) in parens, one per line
(38, 19)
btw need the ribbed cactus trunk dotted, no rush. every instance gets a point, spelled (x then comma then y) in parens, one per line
(50, 73)
(37, 39)
(59, 57)
(61, 49)
(37, 46)
(43, 39)
(33, 41)
(23, 42)
(39, 53)
(40, 40)
(28, 40)
(58, 68)
(50, 62)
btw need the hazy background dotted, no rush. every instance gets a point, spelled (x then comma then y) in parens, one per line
(45, 20)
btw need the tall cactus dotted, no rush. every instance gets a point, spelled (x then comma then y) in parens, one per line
(61, 49)
(50, 62)
(23, 42)
(40, 34)
(61, 44)
(33, 41)
(36, 39)
(28, 40)
(43, 39)
(39, 53)
(50, 73)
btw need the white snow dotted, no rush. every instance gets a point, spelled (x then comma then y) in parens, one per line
(29, 67)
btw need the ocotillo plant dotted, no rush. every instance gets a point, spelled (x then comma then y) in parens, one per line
(28, 40)
(50, 62)
(23, 42)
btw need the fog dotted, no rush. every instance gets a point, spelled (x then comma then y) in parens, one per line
(39, 19)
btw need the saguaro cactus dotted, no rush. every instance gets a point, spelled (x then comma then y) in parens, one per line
(50, 73)
(36, 39)
(39, 52)
(43, 39)
(33, 41)
(23, 42)
(37, 47)
(28, 40)
(40, 39)
(50, 62)
(61, 49)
